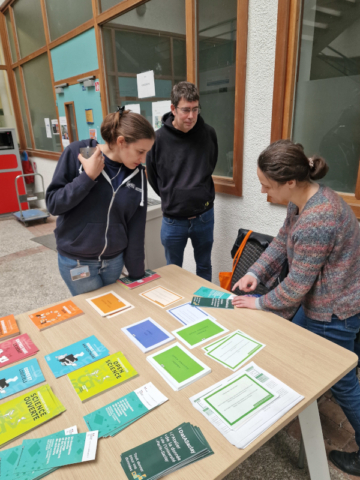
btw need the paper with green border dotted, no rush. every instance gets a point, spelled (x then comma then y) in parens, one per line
(200, 332)
(235, 401)
(237, 346)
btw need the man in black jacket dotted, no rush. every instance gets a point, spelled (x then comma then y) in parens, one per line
(179, 169)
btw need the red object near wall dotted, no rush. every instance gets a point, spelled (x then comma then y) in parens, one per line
(8, 199)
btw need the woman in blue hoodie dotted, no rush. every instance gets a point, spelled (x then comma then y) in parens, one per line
(101, 204)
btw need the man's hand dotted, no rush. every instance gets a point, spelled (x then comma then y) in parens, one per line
(94, 165)
(242, 301)
(247, 283)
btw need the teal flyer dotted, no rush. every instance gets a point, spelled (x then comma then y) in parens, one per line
(20, 377)
(210, 293)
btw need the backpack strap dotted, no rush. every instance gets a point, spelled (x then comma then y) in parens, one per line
(239, 251)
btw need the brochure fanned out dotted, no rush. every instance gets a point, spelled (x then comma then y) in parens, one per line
(260, 419)
(76, 355)
(212, 293)
(16, 349)
(8, 327)
(114, 417)
(166, 454)
(20, 377)
(28, 411)
(178, 367)
(102, 375)
(147, 334)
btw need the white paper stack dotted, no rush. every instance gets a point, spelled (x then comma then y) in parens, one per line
(259, 420)
(177, 366)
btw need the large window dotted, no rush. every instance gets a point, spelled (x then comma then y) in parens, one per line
(29, 26)
(317, 82)
(150, 39)
(65, 15)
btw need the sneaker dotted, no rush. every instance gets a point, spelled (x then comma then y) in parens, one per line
(347, 462)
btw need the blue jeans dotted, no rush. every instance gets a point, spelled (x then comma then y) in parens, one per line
(342, 332)
(174, 237)
(102, 273)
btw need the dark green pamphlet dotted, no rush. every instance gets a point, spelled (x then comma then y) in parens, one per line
(212, 302)
(181, 446)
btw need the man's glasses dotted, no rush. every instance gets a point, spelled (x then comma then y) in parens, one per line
(186, 111)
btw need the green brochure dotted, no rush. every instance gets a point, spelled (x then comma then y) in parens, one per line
(212, 302)
(211, 293)
(114, 417)
(178, 364)
(165, 454)
(56, 451)
(28, 411)
(200, 332)
(8, 460)
(101, 375)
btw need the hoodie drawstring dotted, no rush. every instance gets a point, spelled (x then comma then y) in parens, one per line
(142, 189)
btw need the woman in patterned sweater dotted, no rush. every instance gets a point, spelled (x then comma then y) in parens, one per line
(320, 239)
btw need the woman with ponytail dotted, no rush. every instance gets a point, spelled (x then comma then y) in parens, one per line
(101, 204)
(320, 239)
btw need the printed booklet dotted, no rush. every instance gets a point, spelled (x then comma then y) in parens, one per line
(54, 315)
(108, 303)
(199, 333)
(8, 327)
(16, 349)
(147, 334)
(76, 355)
(165, 454)
(20, 377)
(114, 417)
(131, 283)
(99, 376)
(28, 411)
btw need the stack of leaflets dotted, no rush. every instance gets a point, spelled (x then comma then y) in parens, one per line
(109, 304)
(161, 296)
(200, 332)
(9, 458)
(114, 417)
(76, 355)
(147, 334)
(208, 297)
(177, 366)
(131, 283)
(28, 411)
(20, 377)
(205, 292)
(233, 350)
(16, 349)
(54, 315)
(165, 454)
(8, 327)
(188, 314)
(102, 375)
(251, 399)
(41, 456)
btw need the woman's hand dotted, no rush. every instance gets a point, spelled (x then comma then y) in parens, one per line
(93, 165)
(247, 283)
(243, 301)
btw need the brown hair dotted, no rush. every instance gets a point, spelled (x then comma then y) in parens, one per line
(284, 160)
(185, 90)
(130, 125)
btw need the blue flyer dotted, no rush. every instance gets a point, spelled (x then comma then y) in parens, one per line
(147, 334)
(75, 356)
(20, 377)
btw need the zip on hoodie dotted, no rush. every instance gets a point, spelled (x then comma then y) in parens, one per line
(113, 198)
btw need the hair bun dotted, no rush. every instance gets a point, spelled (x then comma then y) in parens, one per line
(318, 167)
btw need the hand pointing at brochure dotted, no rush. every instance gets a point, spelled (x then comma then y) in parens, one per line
(247, 283)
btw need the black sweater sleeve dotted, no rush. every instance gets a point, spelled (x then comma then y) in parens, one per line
(68, 188)
(134, 255)
(214, 159)
(151, 169)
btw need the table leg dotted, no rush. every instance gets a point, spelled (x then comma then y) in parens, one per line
(314, 443)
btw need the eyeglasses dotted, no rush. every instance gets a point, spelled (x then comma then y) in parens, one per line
(186, 111)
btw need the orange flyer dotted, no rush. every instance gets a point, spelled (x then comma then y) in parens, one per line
(108, 303)
(8, 327)
(56, 314)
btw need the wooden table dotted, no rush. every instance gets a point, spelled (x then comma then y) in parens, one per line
(304, 361)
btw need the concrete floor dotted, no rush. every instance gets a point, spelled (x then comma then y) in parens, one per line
(29, 279)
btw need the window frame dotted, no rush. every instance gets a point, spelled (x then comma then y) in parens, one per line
(286, 66)
(228, 185)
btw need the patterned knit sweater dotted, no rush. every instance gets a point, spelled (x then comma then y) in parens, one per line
(322, 246)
